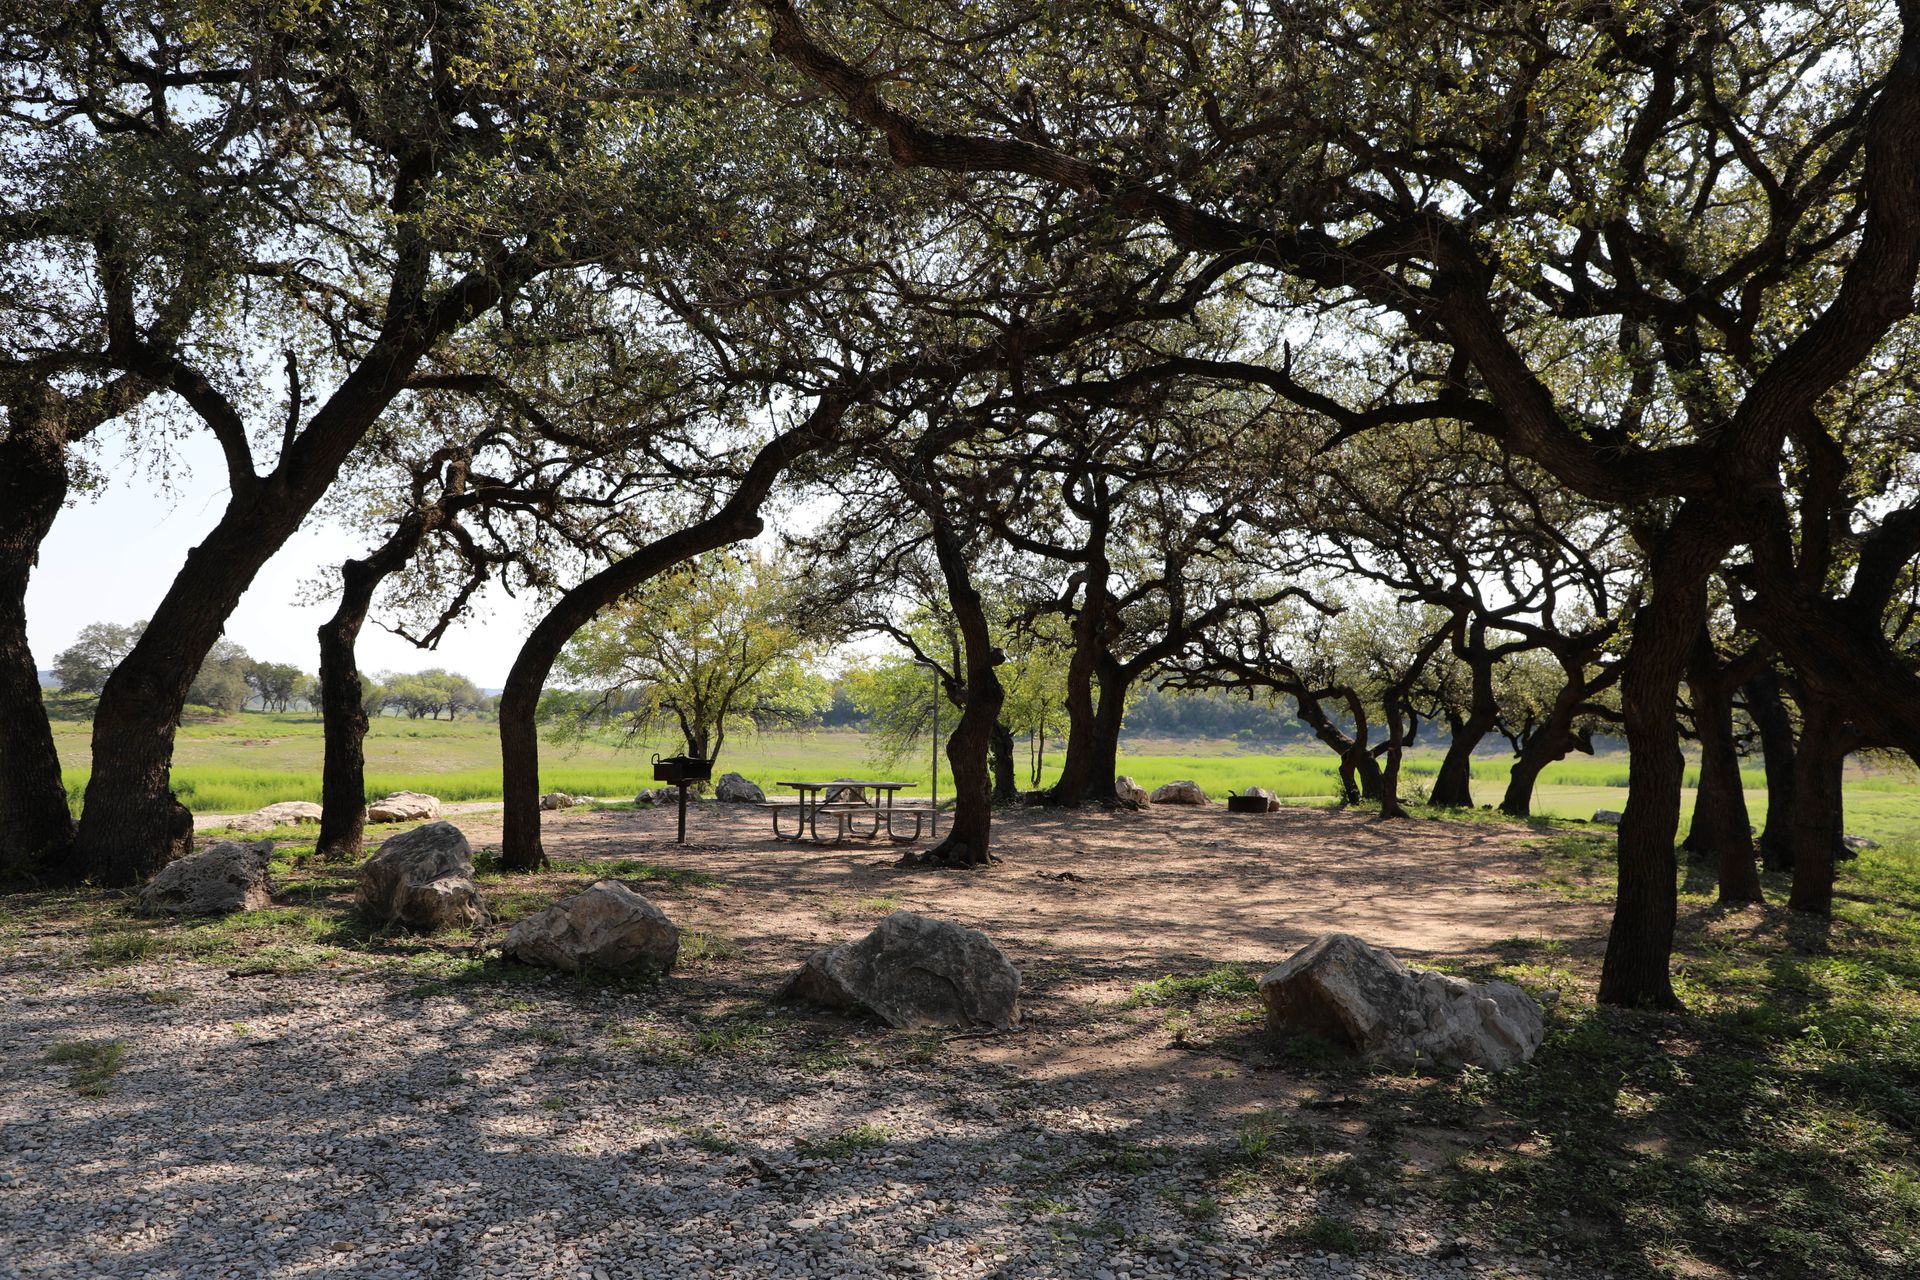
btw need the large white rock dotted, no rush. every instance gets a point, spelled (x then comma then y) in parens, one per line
(608, 927)
(422, 880)
(1361, 997)
(915, 972)
(736, 789)
(844, 791)
(1606, 817)
(229, 876)
(405, 806)
(288, 813)
(559, 800)
(1130, 791)
(1182, 791)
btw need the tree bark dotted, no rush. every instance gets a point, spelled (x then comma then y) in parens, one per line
(1640, 941)
(1006, 776)
(1359, 771)
(737, 519)
(128, 823)
(35, 826)
(1818, 808)
(343, 715)
(969, 833)
(1720, 832)
(1769, 712)
(1453, 784)
(1079, 769)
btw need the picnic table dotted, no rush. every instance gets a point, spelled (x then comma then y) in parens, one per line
(850, 804)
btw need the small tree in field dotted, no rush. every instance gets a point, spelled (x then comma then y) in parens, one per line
(720, 643)
(84, 666)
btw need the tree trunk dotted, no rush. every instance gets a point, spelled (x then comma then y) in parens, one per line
(1453, 784)
(1552, 741)
(1359, 771)
(969, 832)
(1720, 831)
(343, 716)
(1818, 810)
(35, 827)
(1078, 771)
(739, 518)
(1006, 779)
(1769, 712)
(1109, 717)
(1640, 942)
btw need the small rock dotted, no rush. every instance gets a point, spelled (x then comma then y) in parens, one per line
(914, 971)
(1182, 791)
(229, 876)
(608, 927)
(1606, 817)
(1857, 843)
(735, 789)
(405, 806)
(558, 800)
(1359, 996)
(287, 813)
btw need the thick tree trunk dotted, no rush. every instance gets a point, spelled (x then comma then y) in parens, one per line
(1453, 784)
(1109, 716)
(1078, 770)
(343, 715)
(1006, 776)
(969, 834)
(35, 827)
(1552, 741)
(1640, 942)
(1818, 809)
(1720, 832)
(1359, 771)
(1390, 806)
(1769, 712)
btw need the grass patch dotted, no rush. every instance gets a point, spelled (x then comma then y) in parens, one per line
(1770, 1129)
(92, 1063)
(1235, 983)
(861, 1137)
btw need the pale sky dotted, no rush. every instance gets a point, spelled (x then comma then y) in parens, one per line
(111, 557)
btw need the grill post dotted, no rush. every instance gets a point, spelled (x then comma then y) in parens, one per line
(683, 813)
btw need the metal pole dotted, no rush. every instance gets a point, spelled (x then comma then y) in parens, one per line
(683, 813)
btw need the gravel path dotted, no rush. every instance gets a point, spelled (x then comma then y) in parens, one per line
(312, 1125)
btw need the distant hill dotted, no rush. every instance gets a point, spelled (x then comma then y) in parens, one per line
(48, 680)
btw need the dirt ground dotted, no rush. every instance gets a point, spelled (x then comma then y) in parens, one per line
(1090, 904)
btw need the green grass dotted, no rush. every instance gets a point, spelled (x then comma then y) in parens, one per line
(861, 1137)
(1770, 1129)
(235, 764)
(92, 1063)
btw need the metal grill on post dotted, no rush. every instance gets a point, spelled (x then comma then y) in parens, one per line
(681, 771)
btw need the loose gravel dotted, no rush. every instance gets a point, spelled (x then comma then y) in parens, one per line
(345, 1124)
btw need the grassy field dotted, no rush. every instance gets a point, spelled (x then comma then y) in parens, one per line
(237, 763)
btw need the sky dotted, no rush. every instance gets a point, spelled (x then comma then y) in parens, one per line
(112, 555)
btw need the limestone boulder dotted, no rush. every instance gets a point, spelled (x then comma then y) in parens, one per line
(222, 878)
(560, 800)
(1358, 996)
(1606, 817)
(250, 824)
(422, 880)
(1183, 791)
(1273, 801)
(1130, 792)
(732, 788)
(608, 927)
(1857, 843)
(288, 813)
(844, 791)
(913, 971)
(405, 806)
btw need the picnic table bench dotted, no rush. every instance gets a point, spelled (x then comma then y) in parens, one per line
(845, 802)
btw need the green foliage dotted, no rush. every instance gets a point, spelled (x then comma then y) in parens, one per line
(847, 1142)
(719, 643)
(84, 666)
(1224, 983)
